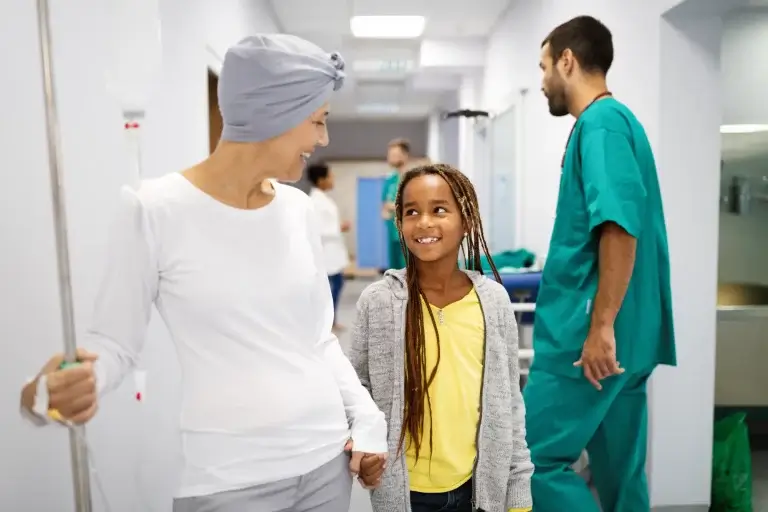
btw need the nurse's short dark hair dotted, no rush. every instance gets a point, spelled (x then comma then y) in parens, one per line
(589, 40)
(316, 172)
(403, 144)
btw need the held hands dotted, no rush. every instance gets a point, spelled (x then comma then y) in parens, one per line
(369, 467)
(71, 391)
(598, 357)
(388, 211)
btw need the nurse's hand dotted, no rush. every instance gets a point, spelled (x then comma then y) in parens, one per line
(388, 211)
(598, 357)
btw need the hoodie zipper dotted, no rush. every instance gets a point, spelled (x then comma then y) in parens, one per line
(482, 400)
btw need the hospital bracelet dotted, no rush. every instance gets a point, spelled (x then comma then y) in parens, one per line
(56, 416)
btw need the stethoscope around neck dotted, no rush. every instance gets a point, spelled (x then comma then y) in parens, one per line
(600, 96)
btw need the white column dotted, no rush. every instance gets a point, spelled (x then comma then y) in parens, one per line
(468, 99)
(433, 137)
(688, 158)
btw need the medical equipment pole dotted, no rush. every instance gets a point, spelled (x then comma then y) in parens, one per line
(80, 467)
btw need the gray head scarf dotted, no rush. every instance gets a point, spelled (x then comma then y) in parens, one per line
(272, 83)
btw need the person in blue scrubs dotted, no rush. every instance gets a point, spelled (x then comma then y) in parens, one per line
(604, 309)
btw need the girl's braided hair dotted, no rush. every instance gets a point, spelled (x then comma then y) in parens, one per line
(417, 381)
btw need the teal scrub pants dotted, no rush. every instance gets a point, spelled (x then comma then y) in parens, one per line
(396, 256)
(566, 415)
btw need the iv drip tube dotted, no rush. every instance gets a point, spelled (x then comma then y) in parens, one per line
(78, 448)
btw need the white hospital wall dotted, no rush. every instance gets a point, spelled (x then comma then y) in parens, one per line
(669, 75)
(448, 133)
(745, 75)
(470, 97)
(433, 137)
(95, 166)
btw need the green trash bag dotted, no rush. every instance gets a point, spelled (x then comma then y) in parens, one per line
(731, 466)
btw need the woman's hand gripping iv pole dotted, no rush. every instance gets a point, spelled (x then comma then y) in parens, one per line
(71, 385)
(140, 379)
(66, 384)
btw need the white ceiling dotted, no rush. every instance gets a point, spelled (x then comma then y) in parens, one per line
(417, 92)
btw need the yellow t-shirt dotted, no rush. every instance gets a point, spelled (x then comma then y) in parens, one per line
(455, 398)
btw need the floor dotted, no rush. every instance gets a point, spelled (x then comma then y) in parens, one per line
(360, 500)
(760, 481)
(352, 289)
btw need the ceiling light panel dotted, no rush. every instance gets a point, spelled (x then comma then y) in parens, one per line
(743, 128)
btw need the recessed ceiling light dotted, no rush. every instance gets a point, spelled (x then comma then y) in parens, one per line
(743, 128)
(387, 27)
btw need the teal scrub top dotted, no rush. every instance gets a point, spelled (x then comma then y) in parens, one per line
(608, 175)
(389, 195)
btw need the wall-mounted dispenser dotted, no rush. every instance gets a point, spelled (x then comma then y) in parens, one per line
(741, 194)
(471, 114)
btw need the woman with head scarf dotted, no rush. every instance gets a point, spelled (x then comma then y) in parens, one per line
(233, 262)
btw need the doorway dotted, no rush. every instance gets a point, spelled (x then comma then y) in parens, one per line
(503, 136)
(483, 181)
(215, 122)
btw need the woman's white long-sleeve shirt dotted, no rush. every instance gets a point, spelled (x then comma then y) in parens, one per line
(267, 393)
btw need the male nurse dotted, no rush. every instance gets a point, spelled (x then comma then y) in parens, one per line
(398, 156)
(604, 309)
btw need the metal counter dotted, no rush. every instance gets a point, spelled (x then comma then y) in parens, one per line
(741, 312)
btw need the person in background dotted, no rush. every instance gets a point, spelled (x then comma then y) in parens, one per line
(398, 157)
(234, 263)
(437, 346)
(604, 309)
(331, 228)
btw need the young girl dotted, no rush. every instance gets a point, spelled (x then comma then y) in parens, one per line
(437, 348)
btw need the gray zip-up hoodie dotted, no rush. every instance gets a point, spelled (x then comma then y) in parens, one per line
(502, 478)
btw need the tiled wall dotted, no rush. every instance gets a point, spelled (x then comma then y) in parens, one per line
(744, 238)
(741, 380)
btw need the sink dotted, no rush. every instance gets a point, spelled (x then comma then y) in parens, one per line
(742, 346)
(742, 294)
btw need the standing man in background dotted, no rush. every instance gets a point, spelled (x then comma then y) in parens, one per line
(604, 309)
(331, 227)
(398, 156)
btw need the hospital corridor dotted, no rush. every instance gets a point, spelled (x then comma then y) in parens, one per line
(400, 256)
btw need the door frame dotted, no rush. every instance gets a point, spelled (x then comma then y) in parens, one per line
(515, 100)
(481, 133)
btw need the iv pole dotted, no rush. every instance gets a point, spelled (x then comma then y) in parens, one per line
(80, 466)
